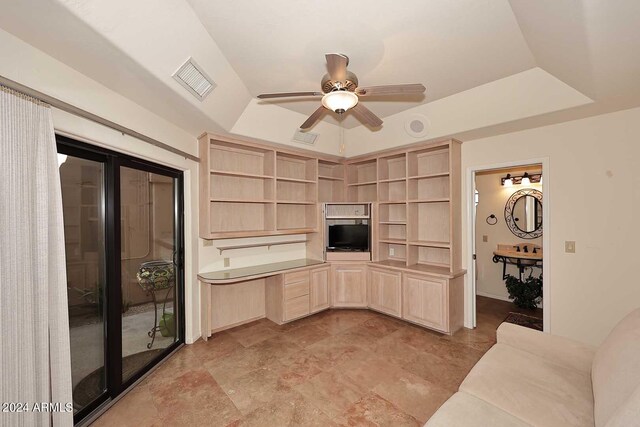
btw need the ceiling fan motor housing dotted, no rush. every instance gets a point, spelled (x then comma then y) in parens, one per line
(350, 83)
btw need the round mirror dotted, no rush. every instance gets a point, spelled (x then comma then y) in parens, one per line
(523, 213)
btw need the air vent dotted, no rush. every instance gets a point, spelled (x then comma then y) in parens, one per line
(193, 79)
(305, 137)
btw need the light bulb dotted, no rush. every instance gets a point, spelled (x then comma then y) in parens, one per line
(508, 182)
(525, 179)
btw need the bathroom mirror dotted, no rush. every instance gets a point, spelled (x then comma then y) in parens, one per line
(523, 213)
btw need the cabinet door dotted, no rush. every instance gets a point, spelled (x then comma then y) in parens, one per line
(385, 289)
(319, 289)
(349, 285)
(425, 301)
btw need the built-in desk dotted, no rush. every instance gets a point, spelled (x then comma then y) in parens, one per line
(241, 292)
(225, 277)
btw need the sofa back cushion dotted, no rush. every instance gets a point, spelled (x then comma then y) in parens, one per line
(615, 372)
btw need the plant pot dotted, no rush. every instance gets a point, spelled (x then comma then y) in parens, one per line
(167, 325)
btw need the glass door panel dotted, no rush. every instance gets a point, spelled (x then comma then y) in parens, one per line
(148, 273)
(82, 184)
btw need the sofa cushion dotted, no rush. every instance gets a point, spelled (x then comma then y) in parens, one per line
(531, 388)
(616, 368)
(463, 409)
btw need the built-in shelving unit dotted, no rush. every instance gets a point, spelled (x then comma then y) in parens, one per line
(252, 189)
(417, 191)
(331, 185)
(362, 181)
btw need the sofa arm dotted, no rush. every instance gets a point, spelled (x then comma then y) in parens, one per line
(564, 351)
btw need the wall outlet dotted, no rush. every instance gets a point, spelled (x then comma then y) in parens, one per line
(226, 262)
(392, 251)
(485, 238)
(207, 242)
(570, 247)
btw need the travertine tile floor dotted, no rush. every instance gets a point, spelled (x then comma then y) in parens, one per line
(339, 367)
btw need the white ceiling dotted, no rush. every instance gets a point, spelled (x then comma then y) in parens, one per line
(449, 46)
(252, 47)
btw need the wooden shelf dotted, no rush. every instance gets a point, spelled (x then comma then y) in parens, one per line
(357, 184)
(393, 202)
(240, 174)
(392, 222)
(347, 217)
(433, 244)
(311, 181)
(430, 175)
(294, 202)
(393, 180)
(331, 178)
(438, 200)
(258, 245)
(294, 230)
(393, 241)
(242, 200)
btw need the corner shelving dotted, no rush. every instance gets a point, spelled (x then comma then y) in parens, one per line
(362, 181)
(296, 192)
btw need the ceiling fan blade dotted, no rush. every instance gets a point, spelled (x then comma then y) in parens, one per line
(287, 94)
(313, 118)
(365, 115)
(337, 65)
(391, 90)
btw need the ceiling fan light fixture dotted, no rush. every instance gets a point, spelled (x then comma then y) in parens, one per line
(340, 100)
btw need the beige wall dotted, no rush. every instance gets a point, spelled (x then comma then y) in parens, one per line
(44, 73)
(592, 189)
(492, 199)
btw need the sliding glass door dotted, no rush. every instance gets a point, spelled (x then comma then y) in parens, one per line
(123, 235)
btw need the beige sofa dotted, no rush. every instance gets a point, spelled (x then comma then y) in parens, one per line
(529, 378)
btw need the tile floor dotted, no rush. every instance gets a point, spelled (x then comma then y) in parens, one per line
(339, 367)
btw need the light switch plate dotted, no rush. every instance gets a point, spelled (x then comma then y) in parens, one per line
(485, 238)
(207, 242)
(570, 247)
(392, 251)
(226, 262)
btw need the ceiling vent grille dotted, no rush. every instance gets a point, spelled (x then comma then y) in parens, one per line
(193, 79)
(305, 137)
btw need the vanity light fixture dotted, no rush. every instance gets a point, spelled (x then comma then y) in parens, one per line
(507, 181)
(525, 179)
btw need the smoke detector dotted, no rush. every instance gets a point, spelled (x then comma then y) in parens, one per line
(191, 76)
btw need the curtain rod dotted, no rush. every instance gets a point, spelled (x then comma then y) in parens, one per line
(61, 105)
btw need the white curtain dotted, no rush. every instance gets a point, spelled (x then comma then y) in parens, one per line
(35, 362)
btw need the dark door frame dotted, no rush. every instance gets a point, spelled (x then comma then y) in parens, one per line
(113, 161)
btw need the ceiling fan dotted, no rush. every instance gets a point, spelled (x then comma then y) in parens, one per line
(340, 92)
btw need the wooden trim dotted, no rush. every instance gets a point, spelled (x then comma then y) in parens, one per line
(267, 145)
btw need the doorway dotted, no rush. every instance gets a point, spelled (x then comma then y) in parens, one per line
(123, 221)
(507, 230)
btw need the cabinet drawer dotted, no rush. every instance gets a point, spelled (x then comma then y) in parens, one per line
(296, 307)
(296, 289)
(297, 276)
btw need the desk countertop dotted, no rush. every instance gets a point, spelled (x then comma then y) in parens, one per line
(224, 277)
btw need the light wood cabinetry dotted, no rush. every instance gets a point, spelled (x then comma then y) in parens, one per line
(319, 289)
(433, 302)
(290, 296)
(349, 285)
(385, 291)
(249, 189)
(418, 194)
(331, 186)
